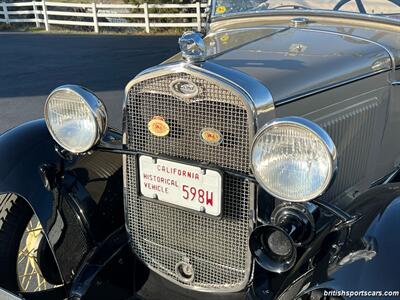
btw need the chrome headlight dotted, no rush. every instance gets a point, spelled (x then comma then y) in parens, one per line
(75, 117)
(293, 159)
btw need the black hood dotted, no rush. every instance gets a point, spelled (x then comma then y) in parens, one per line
(292, 62)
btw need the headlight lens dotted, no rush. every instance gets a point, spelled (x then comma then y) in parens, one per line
(293, 159)
(75, 117)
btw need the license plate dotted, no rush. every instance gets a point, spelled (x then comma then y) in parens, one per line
(182, 185)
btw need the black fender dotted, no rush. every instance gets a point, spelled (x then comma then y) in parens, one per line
(363, 261)
(78, 200)
(23, 151)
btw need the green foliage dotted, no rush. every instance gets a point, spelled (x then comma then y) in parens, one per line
(4, 26)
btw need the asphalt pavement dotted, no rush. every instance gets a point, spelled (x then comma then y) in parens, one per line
(32, 65)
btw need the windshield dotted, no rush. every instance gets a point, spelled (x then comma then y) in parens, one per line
(389, 8)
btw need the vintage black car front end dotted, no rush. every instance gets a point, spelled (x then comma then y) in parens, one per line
(259, 163)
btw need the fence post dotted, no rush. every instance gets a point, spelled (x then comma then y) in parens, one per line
(146, 17)
(5, 12)
(199, 19)
(35, 12)
(45, 16)
(95, 21)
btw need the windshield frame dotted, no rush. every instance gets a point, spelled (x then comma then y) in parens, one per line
(378, 18)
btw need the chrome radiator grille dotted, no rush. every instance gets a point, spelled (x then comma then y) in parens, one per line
(163, 236)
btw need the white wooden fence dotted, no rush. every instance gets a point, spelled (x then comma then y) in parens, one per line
(103, 15)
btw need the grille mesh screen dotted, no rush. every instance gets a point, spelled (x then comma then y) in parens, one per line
(352, 132)
(163, 236)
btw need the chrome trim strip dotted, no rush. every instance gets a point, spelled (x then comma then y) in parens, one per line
(6, 295)
(262, 101)
(326, 88)
(313, 13)
(260, 106)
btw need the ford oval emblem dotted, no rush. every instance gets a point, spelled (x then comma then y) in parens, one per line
(184, 88)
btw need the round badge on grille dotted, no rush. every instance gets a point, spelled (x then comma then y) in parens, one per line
(184, 88)
(158, 127)
(211, 136)
(185, 272)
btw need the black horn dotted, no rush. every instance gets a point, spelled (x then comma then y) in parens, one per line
(274, 246)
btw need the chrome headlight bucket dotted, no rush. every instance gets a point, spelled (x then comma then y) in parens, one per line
(75, 117)
(293, 159)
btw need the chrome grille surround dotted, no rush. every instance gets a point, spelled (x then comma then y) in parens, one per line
(217, 249)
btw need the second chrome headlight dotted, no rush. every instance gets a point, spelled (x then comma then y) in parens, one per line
(75, 117)
(293, 159)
